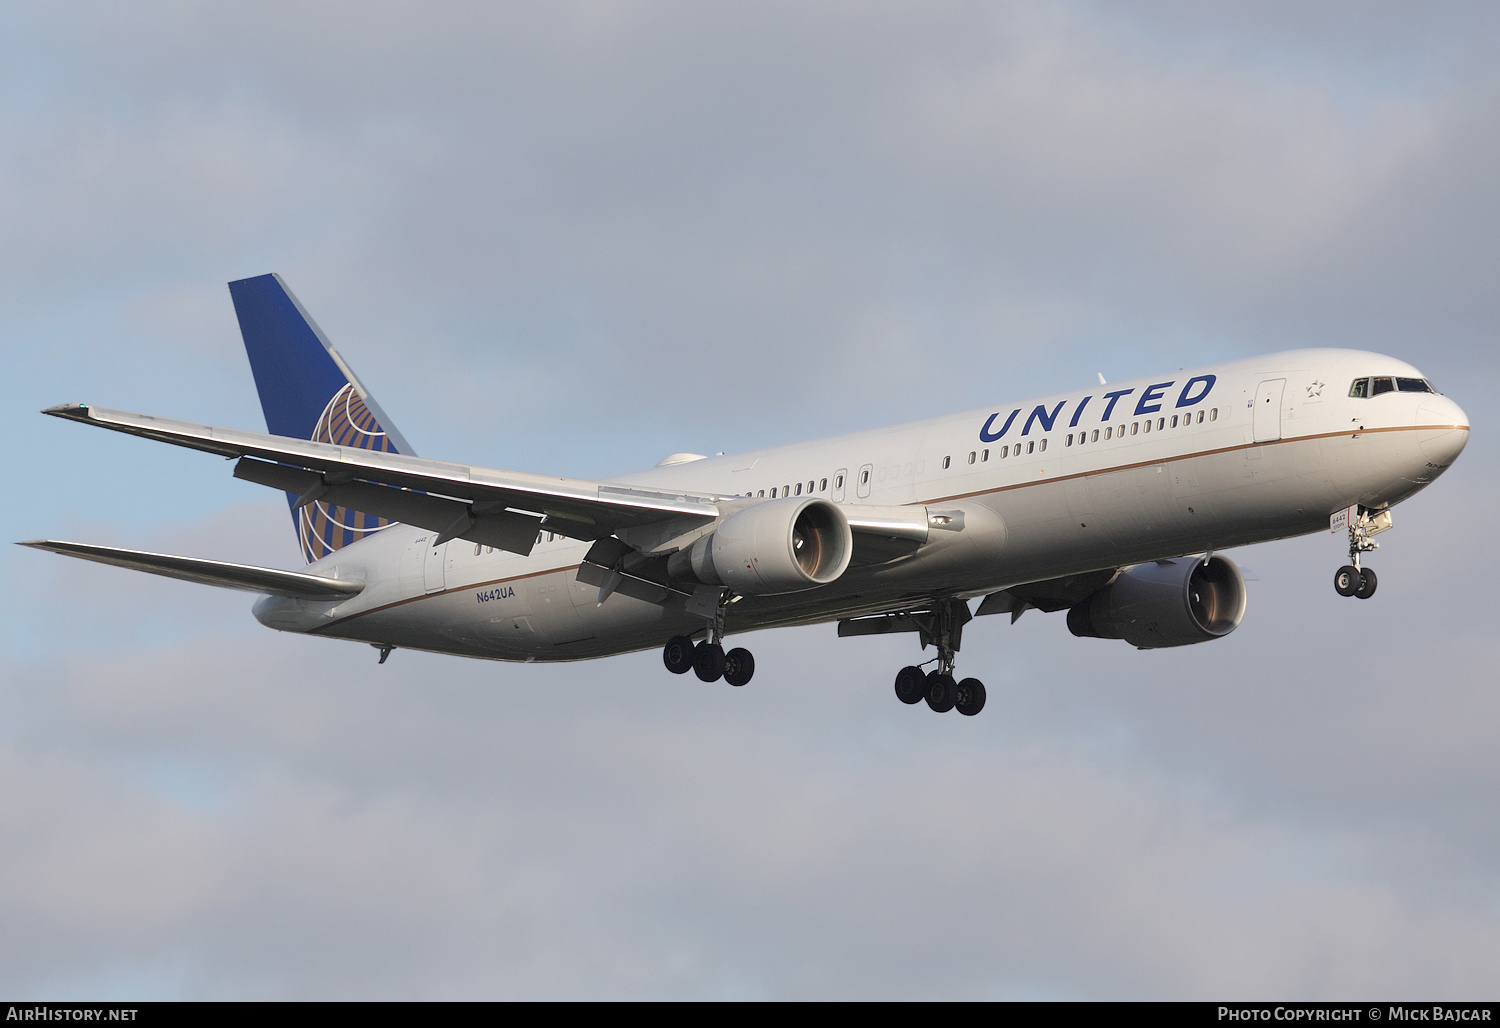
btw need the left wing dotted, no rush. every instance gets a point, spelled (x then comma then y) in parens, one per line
(486, 505)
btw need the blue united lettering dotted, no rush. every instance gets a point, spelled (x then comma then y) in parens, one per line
(984, 433)
(1039, 415)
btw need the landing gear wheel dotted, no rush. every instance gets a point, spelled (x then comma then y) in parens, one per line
(1346, 580)
(678, 654)
(970, 697)
(942, 692)
(708, 661)
(1367, 583)
(739, 666)
(911, 685)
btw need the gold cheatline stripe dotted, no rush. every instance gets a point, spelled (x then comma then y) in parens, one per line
(945, 499)
(1189, 456)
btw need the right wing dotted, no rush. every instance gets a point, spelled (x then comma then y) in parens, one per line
(296, 584)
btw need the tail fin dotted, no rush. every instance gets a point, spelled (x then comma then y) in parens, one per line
(308, 392)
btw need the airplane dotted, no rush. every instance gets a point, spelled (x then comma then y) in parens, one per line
(1109, 502)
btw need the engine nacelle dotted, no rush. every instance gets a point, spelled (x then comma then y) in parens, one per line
(1165, 603)
(779, 546)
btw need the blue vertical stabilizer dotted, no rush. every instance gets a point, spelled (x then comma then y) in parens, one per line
(308, 392)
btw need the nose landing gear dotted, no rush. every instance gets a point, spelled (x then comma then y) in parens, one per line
(1352, 579)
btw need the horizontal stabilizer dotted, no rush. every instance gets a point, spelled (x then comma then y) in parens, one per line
(296, 584)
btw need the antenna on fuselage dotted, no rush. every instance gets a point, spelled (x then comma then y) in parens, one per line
(1101, 379)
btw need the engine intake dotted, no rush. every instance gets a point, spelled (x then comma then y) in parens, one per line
(1165, 603)
(779, 546)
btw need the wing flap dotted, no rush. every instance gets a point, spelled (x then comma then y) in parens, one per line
(450, 518)
(296, 584)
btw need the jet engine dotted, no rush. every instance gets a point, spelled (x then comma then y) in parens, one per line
(779, 546)
(1165, 603)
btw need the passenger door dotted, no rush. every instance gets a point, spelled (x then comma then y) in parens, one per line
(1268, 410)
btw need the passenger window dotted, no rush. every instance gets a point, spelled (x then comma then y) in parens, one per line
(799, 488)
(763, 492)
(1161, 423)
(1069, 440)
(1095, 437)
(1213, 415)
(838, 483)
(823, 486)
(1004, 452)
(1174, 420)
(946, 462)
(1031, 447)
(786, 491)
(984, 455)
(1382, 385)
(1360, 388)
(1043, 446)
(972, 456)
(1135, 428)
(1121, 433)
(864, 477)
(1200, 417)
(1413, 385)
(476, 548)
(1109, 433)
(1146, 425)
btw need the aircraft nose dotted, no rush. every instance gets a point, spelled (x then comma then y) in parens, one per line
(1447, 430)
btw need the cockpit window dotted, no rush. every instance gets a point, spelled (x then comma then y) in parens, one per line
(1363, 388)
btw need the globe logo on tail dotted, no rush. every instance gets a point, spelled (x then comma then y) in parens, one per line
(323, 527)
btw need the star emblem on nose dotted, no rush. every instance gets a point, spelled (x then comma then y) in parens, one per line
(1315, 388)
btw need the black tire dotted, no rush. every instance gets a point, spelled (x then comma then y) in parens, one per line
(708, 661)
(971, 696)
(677, 654)
(739, 666)
(1367, 583)
(942, 691)
(911, 685)
(1346, 580)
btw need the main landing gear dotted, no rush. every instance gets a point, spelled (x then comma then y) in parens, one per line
(942, 626)
(1351, 579)
(707, 659)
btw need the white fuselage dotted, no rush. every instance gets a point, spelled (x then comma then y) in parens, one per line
(1094, 478)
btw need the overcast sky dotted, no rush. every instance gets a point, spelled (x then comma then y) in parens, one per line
(576, 237)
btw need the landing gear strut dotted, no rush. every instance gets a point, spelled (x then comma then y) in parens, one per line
(942, 627)
(707, 659)
(1351, 579)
